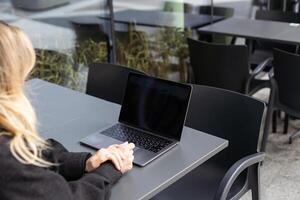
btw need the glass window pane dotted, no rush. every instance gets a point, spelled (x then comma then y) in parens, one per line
(151, 35)
(67, 35)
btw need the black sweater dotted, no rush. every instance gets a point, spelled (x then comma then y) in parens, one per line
(67, 181)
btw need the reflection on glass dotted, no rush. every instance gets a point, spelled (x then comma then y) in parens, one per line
(154, 41)
(240, 8)
(67, 36)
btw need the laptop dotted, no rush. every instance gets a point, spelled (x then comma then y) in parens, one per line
(152, 117)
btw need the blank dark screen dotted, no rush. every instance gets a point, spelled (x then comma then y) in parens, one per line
(155, 105)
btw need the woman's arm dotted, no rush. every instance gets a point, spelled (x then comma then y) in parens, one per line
(73, 165)
(18, 181)
(70, 165)
(24, 182)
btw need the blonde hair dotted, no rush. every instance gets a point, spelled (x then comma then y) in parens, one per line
(17, 117)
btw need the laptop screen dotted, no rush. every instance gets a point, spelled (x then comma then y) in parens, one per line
(155, 105)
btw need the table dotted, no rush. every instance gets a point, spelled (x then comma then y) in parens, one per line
(151, 18)
(68, 116)
(157, 18)
(274, 31)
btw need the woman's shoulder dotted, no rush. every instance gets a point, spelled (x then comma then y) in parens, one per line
(4, 145)
(6, 158)
(10, 167)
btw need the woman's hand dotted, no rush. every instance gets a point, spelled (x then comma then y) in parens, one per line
(121, 155)
(127, 150)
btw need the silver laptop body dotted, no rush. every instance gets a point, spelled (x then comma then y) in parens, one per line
(152, 116)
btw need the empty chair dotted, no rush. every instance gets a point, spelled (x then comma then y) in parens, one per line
(235, 170)
(285, 93)
(262, 49)
(108, 81)
(220, 11)
(173, 6)
(224, 66)
(278, 16)
(284, 5)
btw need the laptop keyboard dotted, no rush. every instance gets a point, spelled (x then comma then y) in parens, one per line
(140, 139)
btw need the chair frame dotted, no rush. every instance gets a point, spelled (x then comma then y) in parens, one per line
(252, 164)
(110, 70)
(249, 163)
(273, 106)
(250, 86)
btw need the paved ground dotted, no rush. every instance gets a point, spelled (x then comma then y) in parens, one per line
(280, 174)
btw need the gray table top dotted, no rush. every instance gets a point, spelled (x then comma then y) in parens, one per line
(158, 18)
(68, 116)
(256, 29)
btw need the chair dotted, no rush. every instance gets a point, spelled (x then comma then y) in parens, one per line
(173, 6)
(263, 50)
(220, 11)
(290, 5)
(224, 66)
(285, 94)
(277, 16)
(235, 170)
(108, 81)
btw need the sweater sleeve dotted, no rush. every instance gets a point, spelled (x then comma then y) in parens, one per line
(70, 165)
(27, 182)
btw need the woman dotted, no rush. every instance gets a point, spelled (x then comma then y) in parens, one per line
(30, 167)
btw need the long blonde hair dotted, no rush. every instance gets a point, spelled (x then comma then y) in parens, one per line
(17, 117)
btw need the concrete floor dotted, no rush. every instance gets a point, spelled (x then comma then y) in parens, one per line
(280, 174)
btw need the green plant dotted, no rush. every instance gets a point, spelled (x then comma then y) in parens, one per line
(153, 54)
(133, 50)
(171, 43)
(68, 69)
(160, 54)
(89, 51)
(54, 67)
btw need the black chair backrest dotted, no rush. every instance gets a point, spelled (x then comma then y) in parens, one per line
(220, 11)
(218, 65)
(229, 115)
(108, 81)
(287, 76)
(279, 5)
(276, 5)
(280, 16)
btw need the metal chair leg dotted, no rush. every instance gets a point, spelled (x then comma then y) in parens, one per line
(274, 122)
(286, 123)
(266, 128)
(268, 119)
(254, 182)
(294, 136)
